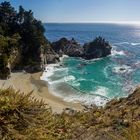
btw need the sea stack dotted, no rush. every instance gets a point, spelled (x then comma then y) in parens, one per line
(98, 48)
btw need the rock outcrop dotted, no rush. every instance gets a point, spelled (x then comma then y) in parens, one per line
(46, 55)
(68, 47)
(7, 63)
(96, 49)
(51, 56)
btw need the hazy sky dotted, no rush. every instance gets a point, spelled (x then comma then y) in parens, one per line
(82, 10)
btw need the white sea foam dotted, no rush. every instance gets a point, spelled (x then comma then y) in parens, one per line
(50, 69)
(135, 44)
(103, 91)
(55, 81)
(122, 69)
(65, 79)
(115, 52)
(121, 43)
(60, 87)
(69, 78)
(87, 99)
(92, 60)
(64, 56)
(72, 95)
(76, 84)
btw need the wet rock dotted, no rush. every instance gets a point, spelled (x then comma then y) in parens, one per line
(68, 47)
(97, 48)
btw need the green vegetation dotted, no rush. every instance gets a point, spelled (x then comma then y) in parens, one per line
(20, 35)
(4, 71)
(24, 117)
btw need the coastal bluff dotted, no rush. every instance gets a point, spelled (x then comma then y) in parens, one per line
(47, 53)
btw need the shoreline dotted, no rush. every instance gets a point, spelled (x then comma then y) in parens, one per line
(26, 83)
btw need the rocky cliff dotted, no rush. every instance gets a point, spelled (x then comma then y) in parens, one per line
(23, 45)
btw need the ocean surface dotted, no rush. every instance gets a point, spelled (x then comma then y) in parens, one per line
(100, 80)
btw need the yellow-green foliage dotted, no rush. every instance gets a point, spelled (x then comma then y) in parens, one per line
(22, 117)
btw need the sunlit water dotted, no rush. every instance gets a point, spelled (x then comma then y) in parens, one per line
(97, 81)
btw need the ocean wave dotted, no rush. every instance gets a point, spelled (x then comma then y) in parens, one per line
(69, 94)
(55, 81)
(87, 100)
(65, 79)
(51, 69)
(106, 71)
(135, 44)
(64, 56)
(115, 52)
(121, 43)
(93, 60)
(69, 78)
(103, 91)
(75, 84)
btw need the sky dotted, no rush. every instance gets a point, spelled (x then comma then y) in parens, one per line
(78, 11)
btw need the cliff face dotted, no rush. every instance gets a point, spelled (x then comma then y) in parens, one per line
(51, 56)
(23, 45)
(13, 60)
(9, 55)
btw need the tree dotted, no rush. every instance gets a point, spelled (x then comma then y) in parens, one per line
(3, 60)
(23, 32)
(20, 15)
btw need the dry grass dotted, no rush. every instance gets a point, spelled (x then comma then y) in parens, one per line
(22, 117)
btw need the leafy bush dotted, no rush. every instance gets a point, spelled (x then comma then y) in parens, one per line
(20, 30)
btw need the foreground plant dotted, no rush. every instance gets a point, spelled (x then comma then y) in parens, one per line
(22, 117)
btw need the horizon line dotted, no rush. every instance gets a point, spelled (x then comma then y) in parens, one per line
(98, 22)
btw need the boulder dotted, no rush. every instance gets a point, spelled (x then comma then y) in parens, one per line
(67, 47)
(51, 56)
(97, 48)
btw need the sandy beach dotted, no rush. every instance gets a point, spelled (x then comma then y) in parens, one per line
(26, 82)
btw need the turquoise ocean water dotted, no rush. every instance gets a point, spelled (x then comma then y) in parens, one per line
(97, 81)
